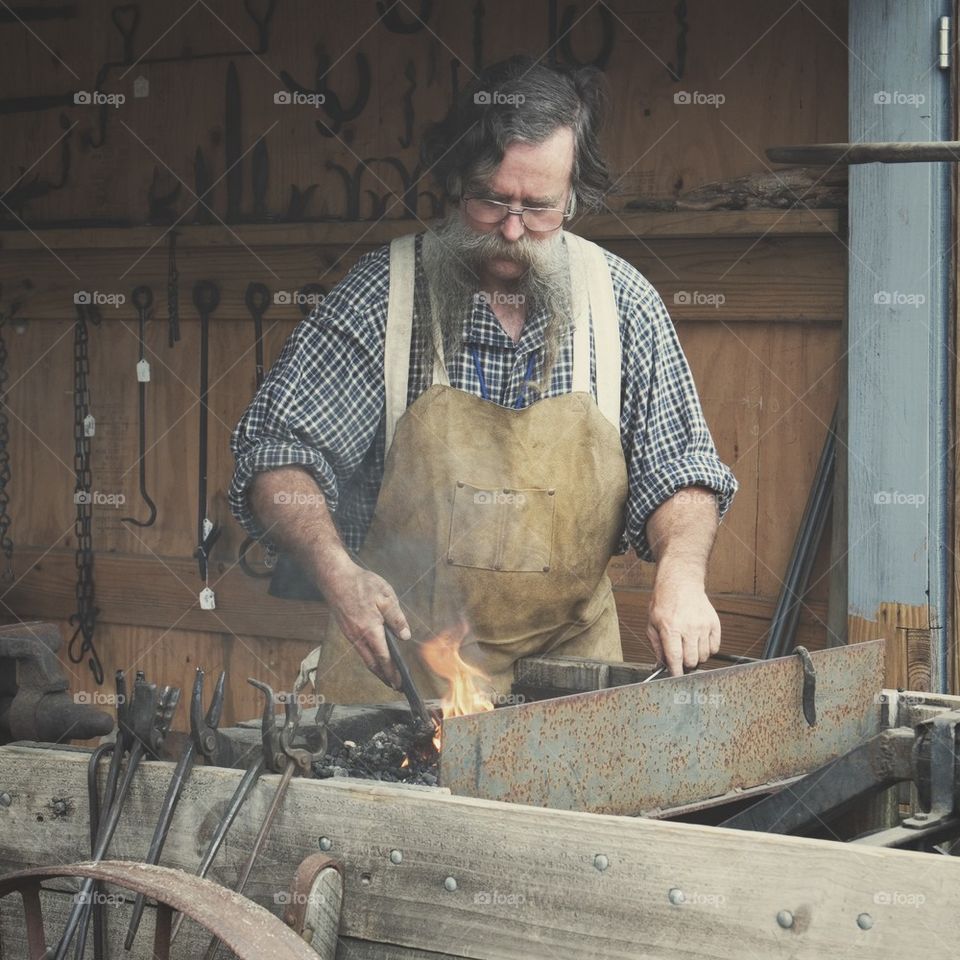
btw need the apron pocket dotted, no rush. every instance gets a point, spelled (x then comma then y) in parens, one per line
(501, 529)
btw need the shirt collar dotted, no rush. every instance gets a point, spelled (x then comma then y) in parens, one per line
(483, 327)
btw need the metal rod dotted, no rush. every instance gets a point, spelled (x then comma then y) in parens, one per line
(236, 802)
(286, 777)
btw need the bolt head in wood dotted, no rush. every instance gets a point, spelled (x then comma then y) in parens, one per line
(676, 896)
(326, 843)
(600, 862)
(396, 856)
(864, 921)
(785, 919)
(450, 884)
(5, 799)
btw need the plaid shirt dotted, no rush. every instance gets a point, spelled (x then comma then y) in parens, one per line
(322, 405)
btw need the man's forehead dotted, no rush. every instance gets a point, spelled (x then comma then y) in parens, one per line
(536, 172)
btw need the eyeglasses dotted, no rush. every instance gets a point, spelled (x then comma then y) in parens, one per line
(535, 219)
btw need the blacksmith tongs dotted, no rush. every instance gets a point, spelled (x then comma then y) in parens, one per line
(203, 741)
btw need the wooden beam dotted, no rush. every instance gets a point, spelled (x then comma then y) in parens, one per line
(529, 882)
(620, 225)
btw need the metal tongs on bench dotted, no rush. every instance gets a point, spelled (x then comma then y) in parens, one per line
(203, 741)
(279, 756)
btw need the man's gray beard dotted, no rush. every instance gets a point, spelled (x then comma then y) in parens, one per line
(452, 257)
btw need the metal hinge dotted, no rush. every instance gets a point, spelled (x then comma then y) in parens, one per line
(943, 44)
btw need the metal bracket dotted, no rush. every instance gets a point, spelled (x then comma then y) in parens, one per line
(943, 738)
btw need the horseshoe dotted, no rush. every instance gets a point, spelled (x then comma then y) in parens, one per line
(606, 44)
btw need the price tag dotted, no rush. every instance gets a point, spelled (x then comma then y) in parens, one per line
(143, 371)
(89, 425)
(208, 600)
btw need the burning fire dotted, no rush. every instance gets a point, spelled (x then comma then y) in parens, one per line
(465, 693)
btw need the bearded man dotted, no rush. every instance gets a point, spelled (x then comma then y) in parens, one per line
(477, 417)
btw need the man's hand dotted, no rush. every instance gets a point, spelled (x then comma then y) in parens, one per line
(362, 603)
(288, 505)
(683, 629)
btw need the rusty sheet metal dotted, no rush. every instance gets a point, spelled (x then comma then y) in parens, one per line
(670, 742)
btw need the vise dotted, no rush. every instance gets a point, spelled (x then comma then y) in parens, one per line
(34, 700)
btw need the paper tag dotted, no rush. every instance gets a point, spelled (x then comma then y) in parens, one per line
(208, 600)
(143, 371)
(89, 425)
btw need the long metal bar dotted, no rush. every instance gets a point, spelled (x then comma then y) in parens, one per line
(625, 749)
(916, 151)
(783, 623)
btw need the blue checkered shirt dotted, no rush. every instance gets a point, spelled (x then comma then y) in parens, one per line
(322, 405)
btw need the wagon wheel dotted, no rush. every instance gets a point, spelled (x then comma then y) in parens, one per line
(219, 910)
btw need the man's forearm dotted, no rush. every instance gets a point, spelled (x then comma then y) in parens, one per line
(681, 532)
(289, 506)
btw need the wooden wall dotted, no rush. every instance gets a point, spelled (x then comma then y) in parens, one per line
(101, 192)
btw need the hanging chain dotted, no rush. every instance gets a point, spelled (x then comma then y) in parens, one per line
(85, 619)
(6, 544)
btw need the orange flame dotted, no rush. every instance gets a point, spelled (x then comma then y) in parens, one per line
(464, 693)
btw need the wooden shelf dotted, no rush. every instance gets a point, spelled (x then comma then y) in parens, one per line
(622, 225)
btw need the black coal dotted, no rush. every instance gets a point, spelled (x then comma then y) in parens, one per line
(382, 757)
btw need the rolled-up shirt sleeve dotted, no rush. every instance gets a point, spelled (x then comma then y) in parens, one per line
(667, 444)
(318, 408)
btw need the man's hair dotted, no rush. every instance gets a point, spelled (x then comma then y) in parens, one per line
(520, 100)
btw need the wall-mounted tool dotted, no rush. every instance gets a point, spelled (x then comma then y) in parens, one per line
(173, 291)
(202, 742)
(206, 298)
(6, 544)
(84, 427)
(142, 298)
(257, 299)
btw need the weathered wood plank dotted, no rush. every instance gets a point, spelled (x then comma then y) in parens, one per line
(527, 883)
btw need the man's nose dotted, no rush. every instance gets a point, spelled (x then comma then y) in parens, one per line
(511, 228)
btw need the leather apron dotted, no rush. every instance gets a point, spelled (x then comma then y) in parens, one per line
(503, 518)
